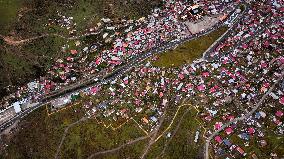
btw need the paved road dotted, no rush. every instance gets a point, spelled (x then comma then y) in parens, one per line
(9, 113)
(207, 56)
(82, 85)
(259, 31)
(206, 155)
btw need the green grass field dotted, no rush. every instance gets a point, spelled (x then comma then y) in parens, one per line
(188, 51)
(8, 13)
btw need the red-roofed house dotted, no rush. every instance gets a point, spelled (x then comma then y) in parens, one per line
(218, 125)
(240, 150)
(161, 94)
(201, 87)
(208, 118)
(212, 90)
(251, 131)
(94, 90)
(98, 60)
(205, 74)
(69, 59)
(277, 122)
(230, 117)
(181, 76)
(218, 139)
(281, 59)
(279, 113)
(115, 62)
(228, 130)
(263, 65)
(281, 100)
(73, 52)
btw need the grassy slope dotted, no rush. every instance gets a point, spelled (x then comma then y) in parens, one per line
(8, 12)
(91, 137)
(21, 64)
(40, 135)
(189, 51)
(181, 145)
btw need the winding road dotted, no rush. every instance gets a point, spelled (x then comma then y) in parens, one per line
(81, 85)
(86, 83)
(206, 154)
(11, 41)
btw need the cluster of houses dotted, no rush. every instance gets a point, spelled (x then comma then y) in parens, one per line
(63, 21)
(130, 96)
(252, 57)
(227, 84)
(161, 26)
(218, 81)
(258, 132)
(139, 35)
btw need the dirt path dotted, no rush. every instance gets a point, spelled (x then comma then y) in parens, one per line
(10, 41)
(155, 133)
(175, 131)
(101, 152)
(65, 133)
(152, 135)
(120, 147)
(152, 138)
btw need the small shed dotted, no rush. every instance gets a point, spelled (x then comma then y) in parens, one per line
(17, 107)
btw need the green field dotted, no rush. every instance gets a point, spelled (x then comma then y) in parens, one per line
(8, 13)
(188, 51)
